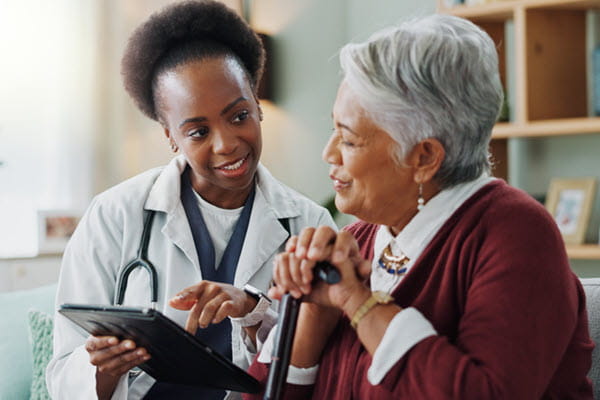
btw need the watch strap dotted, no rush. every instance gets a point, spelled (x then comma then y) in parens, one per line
(375, 299)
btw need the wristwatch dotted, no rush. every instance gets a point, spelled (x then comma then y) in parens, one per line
(258, 313)
(256, 294)
(377, 297)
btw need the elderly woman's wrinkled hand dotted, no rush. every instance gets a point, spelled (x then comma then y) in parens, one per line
(294, 273)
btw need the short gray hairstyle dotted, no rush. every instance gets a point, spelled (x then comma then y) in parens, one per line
(431, 77)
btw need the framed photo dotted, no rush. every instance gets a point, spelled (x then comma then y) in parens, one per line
(55, 227)
(570, 203)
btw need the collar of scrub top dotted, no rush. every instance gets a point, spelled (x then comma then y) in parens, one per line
(217, 336)
(202, 240)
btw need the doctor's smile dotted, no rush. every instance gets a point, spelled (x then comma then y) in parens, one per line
(234, 169)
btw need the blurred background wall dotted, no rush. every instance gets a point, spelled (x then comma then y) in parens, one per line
(69, 131)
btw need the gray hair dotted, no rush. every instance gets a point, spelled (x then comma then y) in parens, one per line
(431, 77)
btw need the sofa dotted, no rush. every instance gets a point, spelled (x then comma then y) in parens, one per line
(591, 286)
(25, 317)
(25, 342)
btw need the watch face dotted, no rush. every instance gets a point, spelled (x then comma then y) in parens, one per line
(254, 292)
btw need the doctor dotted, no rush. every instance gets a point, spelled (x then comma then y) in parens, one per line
(219, 215)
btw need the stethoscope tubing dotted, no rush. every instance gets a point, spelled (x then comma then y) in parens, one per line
(141, 260)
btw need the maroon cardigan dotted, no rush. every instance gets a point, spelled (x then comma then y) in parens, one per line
(510, 314)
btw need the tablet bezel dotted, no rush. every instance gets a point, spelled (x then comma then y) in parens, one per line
(176, 355)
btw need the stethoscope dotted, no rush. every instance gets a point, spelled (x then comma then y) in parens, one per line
(323, 270)
(141, 260)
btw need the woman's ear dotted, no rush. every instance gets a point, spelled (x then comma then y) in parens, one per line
(426, 158)
(172, 144)
(260, 111)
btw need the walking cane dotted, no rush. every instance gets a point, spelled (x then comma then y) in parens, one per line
(286, 329)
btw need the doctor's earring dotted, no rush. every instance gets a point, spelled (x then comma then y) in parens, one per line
(174, 147)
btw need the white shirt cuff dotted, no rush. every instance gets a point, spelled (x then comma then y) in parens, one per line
(302, 376)
(405, 330)
(269, 320)
(255, 316)
(296, 376)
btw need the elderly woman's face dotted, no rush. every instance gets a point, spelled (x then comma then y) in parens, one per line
(212, 115)
(368, 182)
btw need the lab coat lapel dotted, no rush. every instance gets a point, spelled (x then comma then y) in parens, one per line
(178, 230)
(264, 237)
(165, 196)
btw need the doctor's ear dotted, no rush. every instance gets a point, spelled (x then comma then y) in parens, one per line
(172, 143)
(260, 111)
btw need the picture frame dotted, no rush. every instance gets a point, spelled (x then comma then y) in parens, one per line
(55, 228)
(570, 200)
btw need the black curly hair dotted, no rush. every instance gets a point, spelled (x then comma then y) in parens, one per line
(183, 32)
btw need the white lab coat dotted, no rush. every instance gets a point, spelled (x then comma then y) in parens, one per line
(108, 237)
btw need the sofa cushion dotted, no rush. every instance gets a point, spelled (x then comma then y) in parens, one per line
(16, 361)
(591, 286)
(40, 337)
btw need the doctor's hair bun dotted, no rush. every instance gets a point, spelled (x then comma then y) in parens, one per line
(181, 32)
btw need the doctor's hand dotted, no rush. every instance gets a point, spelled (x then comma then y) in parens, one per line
(114, 357)
(210, 303)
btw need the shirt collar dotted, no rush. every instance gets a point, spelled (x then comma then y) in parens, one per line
(417, 234)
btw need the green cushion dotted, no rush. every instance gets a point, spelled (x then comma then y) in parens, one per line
(40, 337)
(16, 362)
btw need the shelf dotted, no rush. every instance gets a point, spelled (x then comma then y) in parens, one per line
(583, 251)
(504, 10)
(550, 127)
(496, 11)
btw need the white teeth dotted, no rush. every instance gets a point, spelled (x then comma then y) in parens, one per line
(235, 166)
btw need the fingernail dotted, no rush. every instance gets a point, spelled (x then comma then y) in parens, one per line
(140, 353)
(128, 344)
(338, 256)
(113, 341)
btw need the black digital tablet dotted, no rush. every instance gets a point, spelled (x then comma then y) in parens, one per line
(176, 355)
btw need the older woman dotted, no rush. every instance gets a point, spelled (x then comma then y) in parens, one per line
(454, 284)
(219, 216)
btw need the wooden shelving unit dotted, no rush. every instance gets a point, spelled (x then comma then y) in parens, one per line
(584, 251)
(550, 62)
(550, 127)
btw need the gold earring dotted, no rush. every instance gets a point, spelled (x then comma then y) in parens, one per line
(174, 147)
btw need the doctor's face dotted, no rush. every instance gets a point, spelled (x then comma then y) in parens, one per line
(210, 112)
